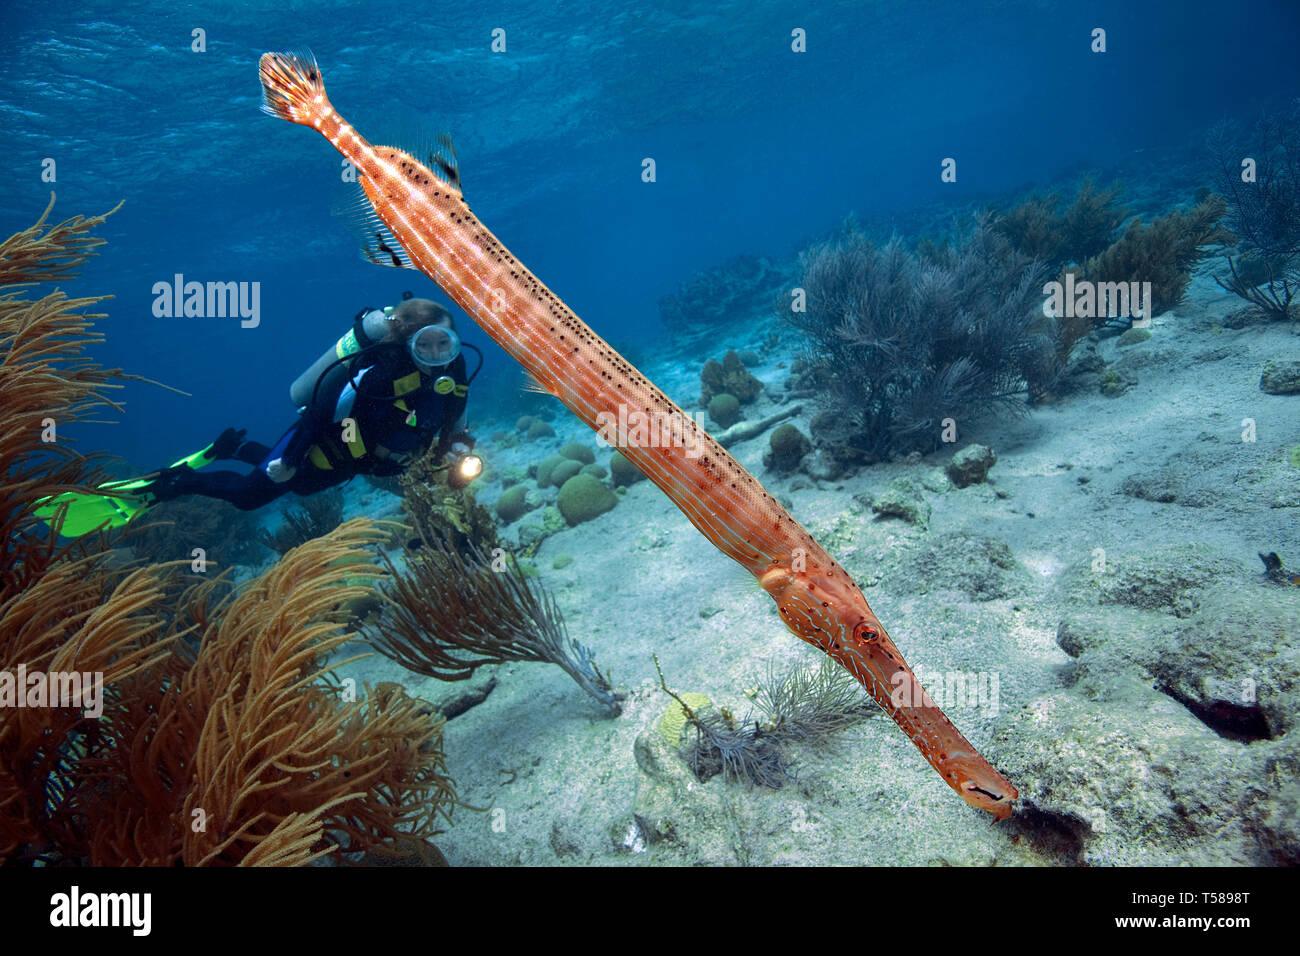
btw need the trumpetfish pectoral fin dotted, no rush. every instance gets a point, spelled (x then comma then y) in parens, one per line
(378, 244)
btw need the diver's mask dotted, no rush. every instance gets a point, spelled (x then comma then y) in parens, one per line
(434, 347)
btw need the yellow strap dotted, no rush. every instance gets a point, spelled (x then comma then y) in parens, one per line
(406, 384)
(356, 448)
(318, 459)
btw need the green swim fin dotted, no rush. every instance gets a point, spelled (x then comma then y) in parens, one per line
(84, 512)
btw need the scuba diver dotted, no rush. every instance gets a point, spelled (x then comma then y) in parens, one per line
(370, 405)
(385, 393)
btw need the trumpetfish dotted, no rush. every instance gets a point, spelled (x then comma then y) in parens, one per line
(421, 220)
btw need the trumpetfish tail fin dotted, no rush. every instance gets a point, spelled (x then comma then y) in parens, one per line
(292, 87)
(294, 90)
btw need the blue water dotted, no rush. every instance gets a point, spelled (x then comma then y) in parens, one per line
(757, 148)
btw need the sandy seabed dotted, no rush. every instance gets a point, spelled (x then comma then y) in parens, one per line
(1116, 681)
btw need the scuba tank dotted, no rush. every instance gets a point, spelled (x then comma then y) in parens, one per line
(368, 328)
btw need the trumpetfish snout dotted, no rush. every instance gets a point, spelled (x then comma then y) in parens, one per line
(825, 608)
(421, 221)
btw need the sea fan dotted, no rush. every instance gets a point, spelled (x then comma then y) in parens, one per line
(451, 611)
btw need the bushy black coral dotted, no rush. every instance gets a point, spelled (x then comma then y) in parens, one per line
(904, 340)
(1082, 230)
(806, 707)
(1163, 253)
(315, 517)
(172, 528)
(1263, 212)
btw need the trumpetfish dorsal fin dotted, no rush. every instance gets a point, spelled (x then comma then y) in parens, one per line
(441, 158)
(434, 151)
(378, 244)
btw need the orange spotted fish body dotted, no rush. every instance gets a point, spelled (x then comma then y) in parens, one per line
(425, 223)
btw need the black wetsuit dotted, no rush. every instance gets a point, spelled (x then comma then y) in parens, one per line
(396, 418)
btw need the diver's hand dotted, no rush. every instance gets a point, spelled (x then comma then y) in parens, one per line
(456, 452)
(462, 443)
(279, 472)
